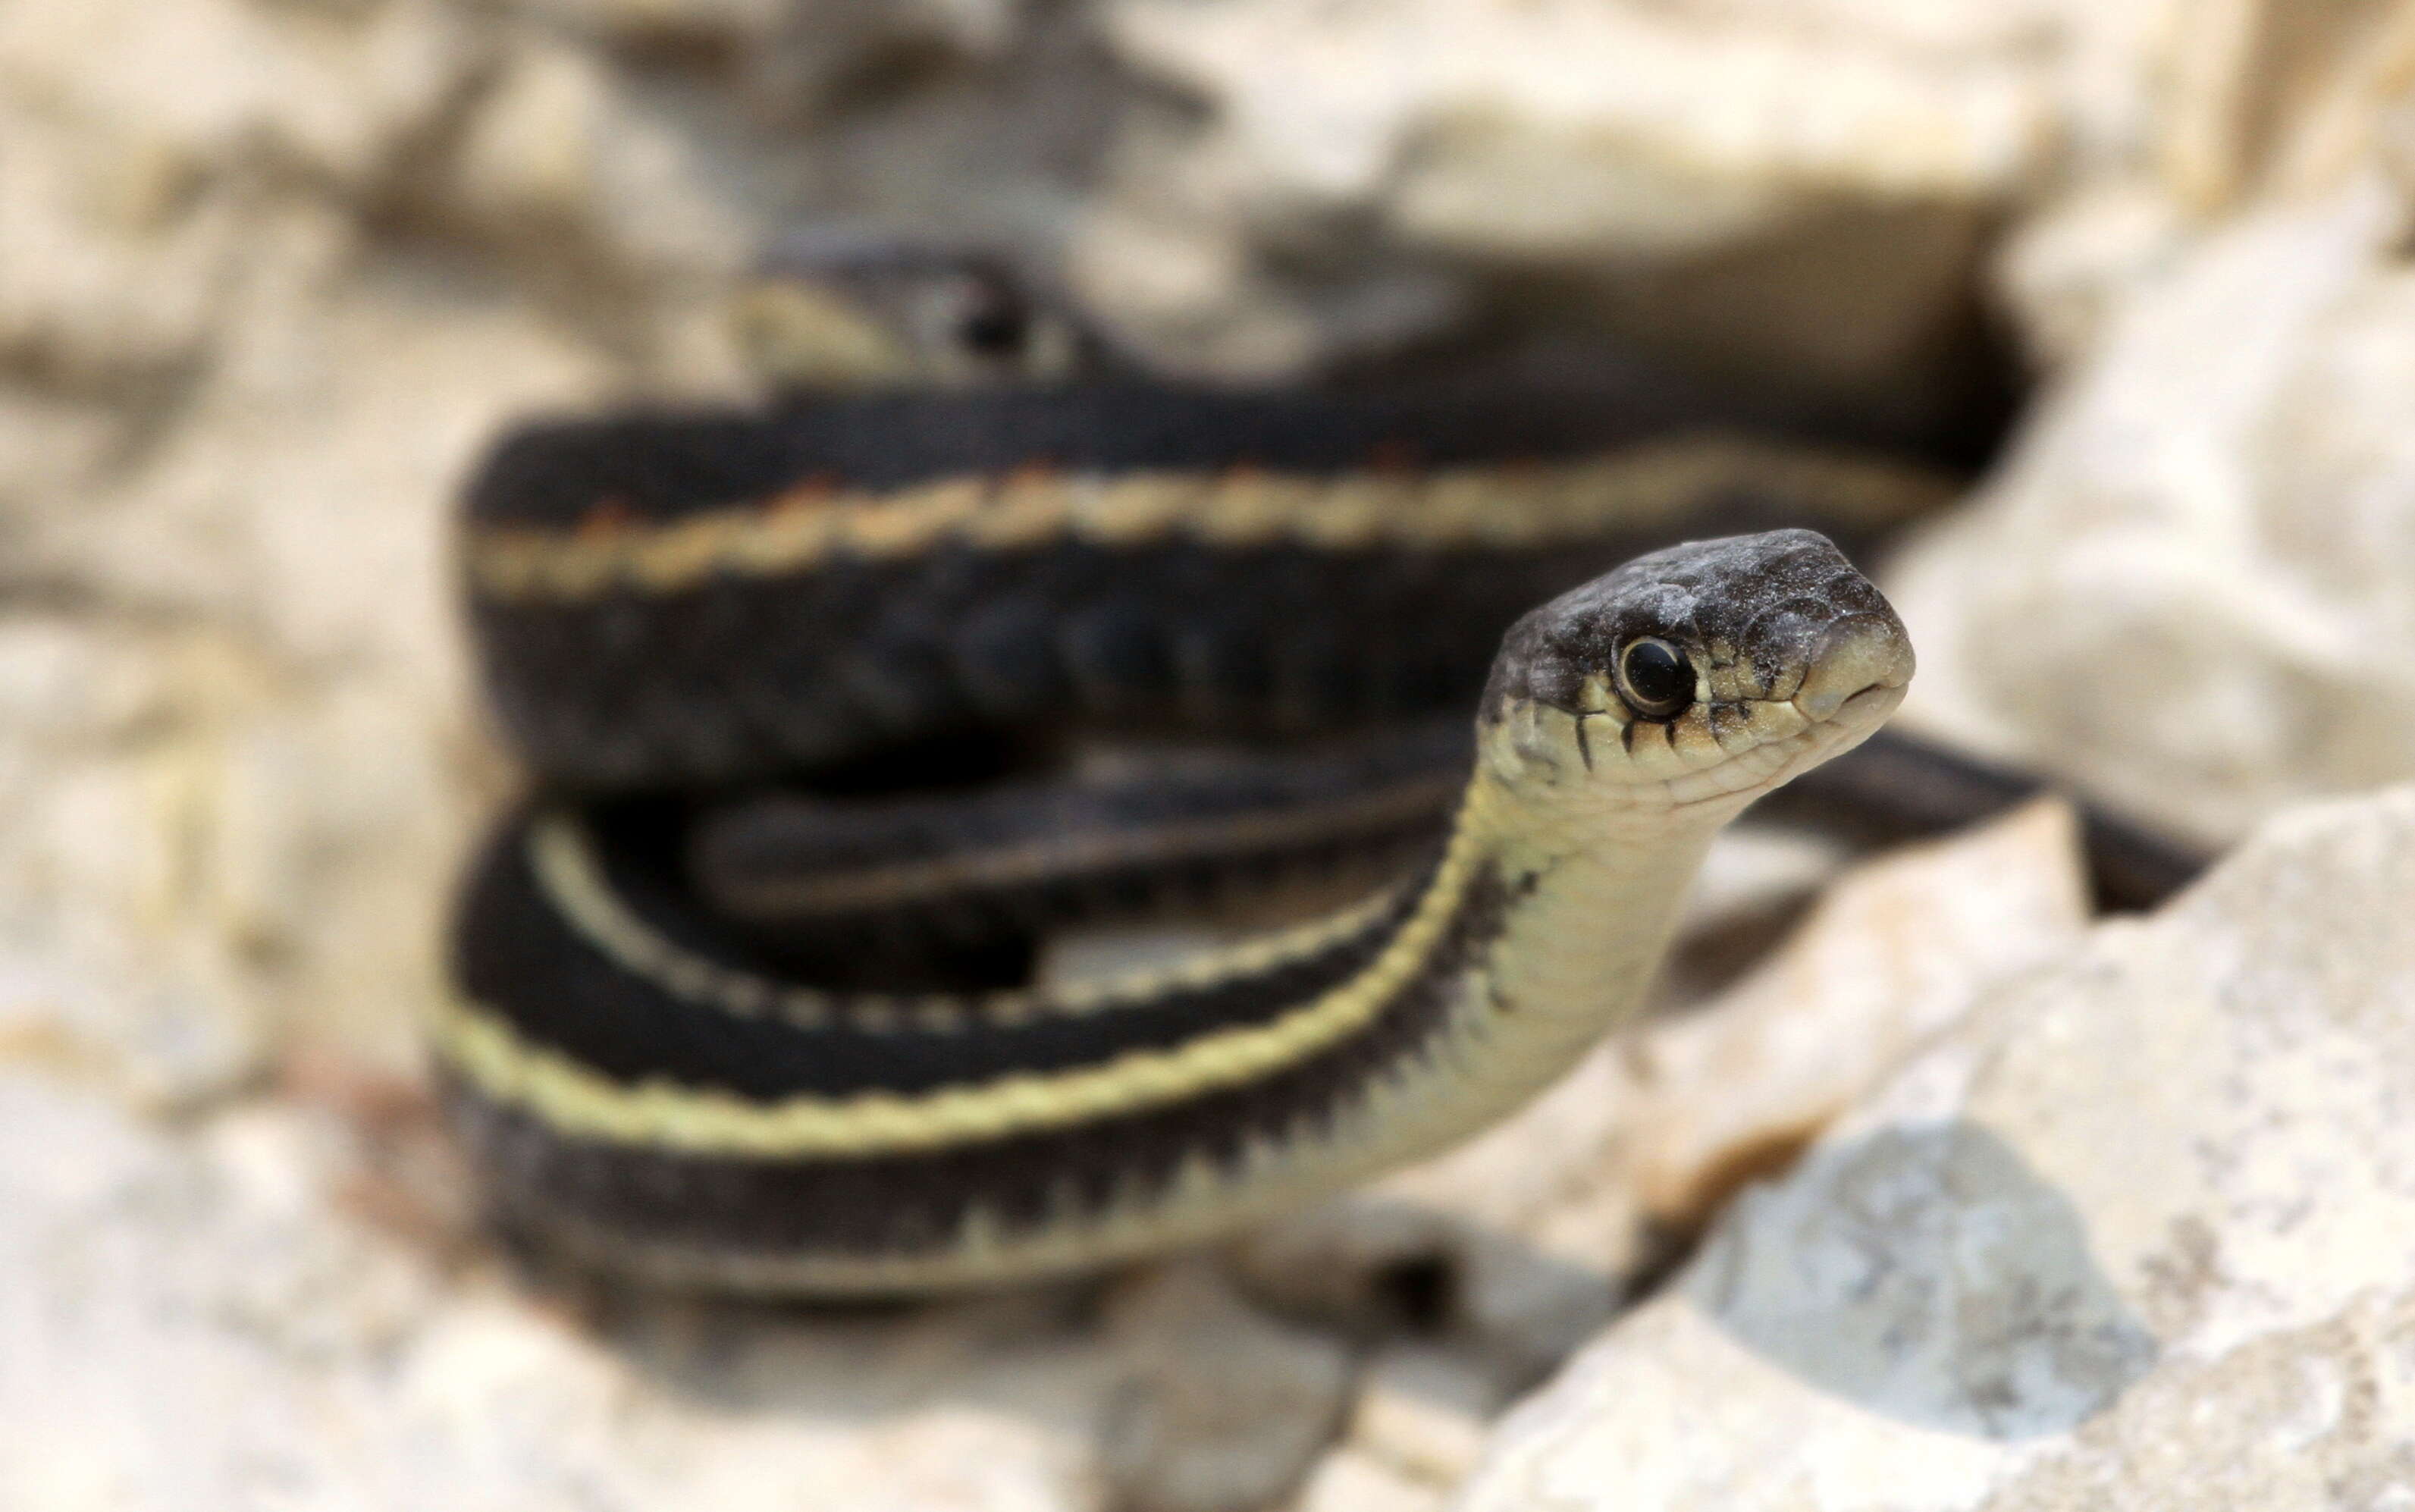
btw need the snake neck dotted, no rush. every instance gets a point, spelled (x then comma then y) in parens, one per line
(1599, 897)
(1558, 916)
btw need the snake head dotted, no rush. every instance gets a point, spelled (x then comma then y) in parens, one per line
(1704, 674)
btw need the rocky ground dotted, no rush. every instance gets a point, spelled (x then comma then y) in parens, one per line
(2092, 1212)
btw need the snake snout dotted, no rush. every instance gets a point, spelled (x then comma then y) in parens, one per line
(1851, 657)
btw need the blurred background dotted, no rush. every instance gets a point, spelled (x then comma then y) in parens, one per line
(272, 271)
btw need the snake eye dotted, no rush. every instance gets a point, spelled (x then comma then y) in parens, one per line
(1655, 678)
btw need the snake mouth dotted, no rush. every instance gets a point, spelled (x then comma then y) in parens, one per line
(1856, 714)
(1844, 721)
(1853, 660)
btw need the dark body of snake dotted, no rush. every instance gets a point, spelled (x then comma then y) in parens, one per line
(739, 987)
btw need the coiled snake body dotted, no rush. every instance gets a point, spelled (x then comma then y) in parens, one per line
(712, 1032)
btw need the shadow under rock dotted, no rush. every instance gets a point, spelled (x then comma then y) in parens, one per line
(1923, 1271)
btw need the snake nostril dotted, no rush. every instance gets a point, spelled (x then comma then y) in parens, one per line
(1851, 657)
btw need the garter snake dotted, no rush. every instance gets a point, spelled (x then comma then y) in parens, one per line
(729, 1006)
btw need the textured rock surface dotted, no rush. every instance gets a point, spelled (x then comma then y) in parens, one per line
(1422, 1411)
(2203, 550)
(1697, 174)
(1796, 191)
(1350, 1480)
(1222, 1408)
(256, 1313)
(2133, 1233)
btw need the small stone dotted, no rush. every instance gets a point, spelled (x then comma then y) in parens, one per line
(336, 98)
(1225, 1408)
(1423, 1412)
(1350, 1480)
(568, 158)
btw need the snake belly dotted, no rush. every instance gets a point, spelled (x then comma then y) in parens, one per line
(695, 606)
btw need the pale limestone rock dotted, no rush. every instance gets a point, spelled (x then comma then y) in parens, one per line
(1797, 192)
(1750, 115)
(250, 1303)
(1794, 198)
(216, 84)
(235, 766)
(1890, 955)
(1350, 1480)
(829, 44)
(566, 157)
(1422, 1411)
(307, 494)
(728, 22)
(111, 959)
(109, 265)
(2188, 589)
(2067, 272)
(1755, 869)
(2132, 1235)
(270, 274)
(1223, 1408)
(268, 841)
(1518, 1243)
(1754, 886)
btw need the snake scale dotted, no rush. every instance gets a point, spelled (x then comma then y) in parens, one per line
(741, 987)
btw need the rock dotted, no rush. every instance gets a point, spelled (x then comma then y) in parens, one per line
(1518, 1244)
(1790, 203)
(566, 159)
(2126, 1236)
(254, 327)
(638, 24)
(343, 95)
(112, 264)
(2200, 549)
(831, 46)
(1539, 86)
(1795, 195)
(239, 759)
(1891, 954)
(193, 1317)
(122, 957)
(1224, 1408)
(1348, 1480)
(1422, 1411)
(2068, 271)
(266, 839)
